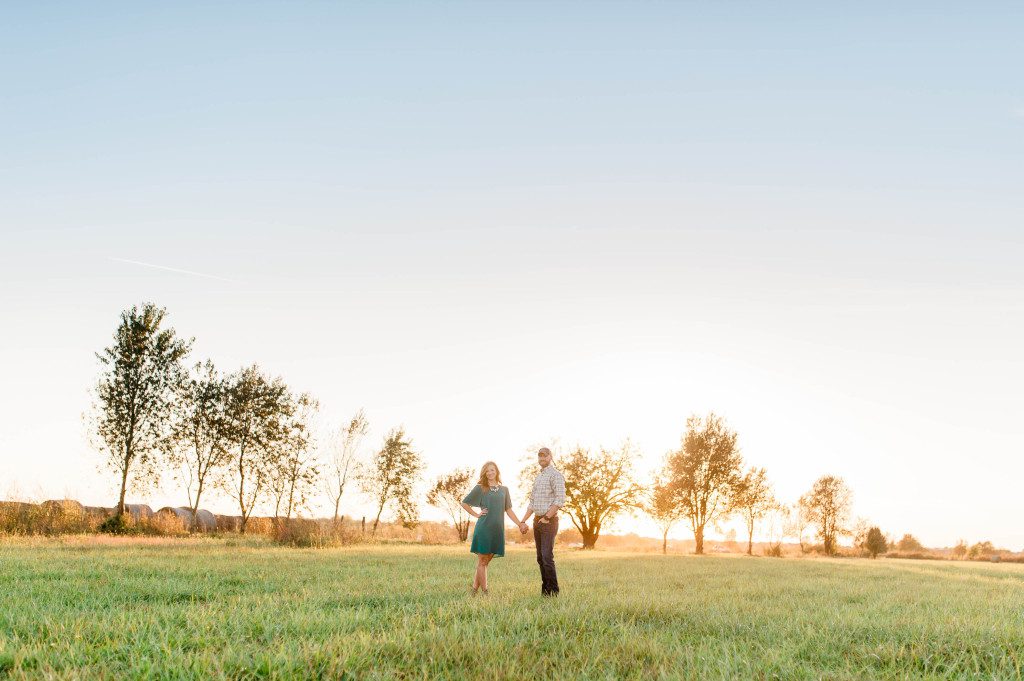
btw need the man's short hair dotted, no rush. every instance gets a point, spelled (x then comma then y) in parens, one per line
(545, 450)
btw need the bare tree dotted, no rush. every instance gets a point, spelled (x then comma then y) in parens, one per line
(200, 432)
(800, 519)
(447, 493)
(344, 463)
(598, 487)
(135, 395)
(753, 499)
(258, 410)
(705, 470)
(294, 472)
(828, 507)
(391, 477)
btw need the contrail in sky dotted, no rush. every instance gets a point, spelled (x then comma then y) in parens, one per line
(171, 269)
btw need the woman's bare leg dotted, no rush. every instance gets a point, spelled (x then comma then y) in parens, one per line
(485, 561)
(478, 575)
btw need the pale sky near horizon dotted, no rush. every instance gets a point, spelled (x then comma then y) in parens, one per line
(498, 224)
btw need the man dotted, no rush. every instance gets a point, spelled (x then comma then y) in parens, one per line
(547, 496)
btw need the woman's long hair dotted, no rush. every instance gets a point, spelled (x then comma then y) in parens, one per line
(483, 475)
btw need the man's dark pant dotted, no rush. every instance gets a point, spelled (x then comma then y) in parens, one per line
(544, 538)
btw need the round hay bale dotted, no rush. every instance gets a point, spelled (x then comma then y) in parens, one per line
(171, 520)
(63, 506)
(62, 516)
(260, 526)
(17, 516)
(138, 512)
(205, 521)
(228, 523)
(100, 512)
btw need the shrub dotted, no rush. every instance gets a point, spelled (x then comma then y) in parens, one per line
(909, 544)
(774, 550)
(875, 543)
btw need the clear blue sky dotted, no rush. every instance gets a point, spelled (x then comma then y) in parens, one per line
(498, 224)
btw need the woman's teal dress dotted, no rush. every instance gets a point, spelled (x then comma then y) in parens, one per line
(489, 534)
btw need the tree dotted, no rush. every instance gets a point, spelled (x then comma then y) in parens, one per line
(960, 550)
(705, 470)
(447, 493)
(135, 395)
(294, 472)
(391, 477)
(780, 525)
(753, 499)
(908, 543)
(598, 487)
(828, 507)
(344, 462)
(665, 507)
(201, 432)
(800, 519)
(981, 549)
(258, 410)
(875, 543)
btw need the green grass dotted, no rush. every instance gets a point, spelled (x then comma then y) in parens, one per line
(222, 609)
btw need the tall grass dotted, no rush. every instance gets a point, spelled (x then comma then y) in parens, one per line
(243, 608)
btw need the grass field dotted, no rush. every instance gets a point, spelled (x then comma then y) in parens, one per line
(209, 608)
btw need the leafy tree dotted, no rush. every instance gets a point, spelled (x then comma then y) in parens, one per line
(960, 550)
(981, 549)
(875, 543)
(135, 395)
(447, 493)
(294, 471)
(344, 462)
(258, 411)
(391, 477)
(828, 507)
(705, 470)
(664, 507)
(909, 543)
(753, 499)
(598, 487)
(200, 432)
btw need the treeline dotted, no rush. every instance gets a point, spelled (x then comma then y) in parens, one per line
(704, 484)
(245, 433)
(250, 436)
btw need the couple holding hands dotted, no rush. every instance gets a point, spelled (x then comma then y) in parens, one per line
(493, 500)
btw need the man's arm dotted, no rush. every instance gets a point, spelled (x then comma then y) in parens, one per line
(558, 490)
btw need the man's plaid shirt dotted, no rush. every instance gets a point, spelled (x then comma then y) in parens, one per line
(548, 490)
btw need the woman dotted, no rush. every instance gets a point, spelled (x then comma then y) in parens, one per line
(489, 535)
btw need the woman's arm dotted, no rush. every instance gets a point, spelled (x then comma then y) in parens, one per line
(469, 510)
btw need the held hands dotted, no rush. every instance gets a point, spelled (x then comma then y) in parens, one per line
(522, 528)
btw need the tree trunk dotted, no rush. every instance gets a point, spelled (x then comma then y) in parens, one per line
(376, 520)
(124, 487)
(698, 539)
(589, 539)
(195, 508)
(750, 543)
(664, 543)
(337, 503)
